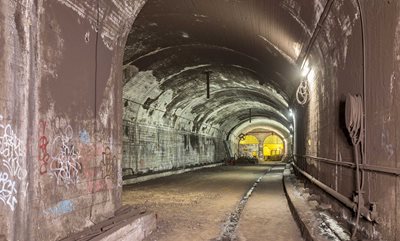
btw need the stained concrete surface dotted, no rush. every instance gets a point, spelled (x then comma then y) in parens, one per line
(195, 206)
(267, 215)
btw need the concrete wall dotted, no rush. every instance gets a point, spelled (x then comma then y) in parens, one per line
(320, 128)
(158, 137)
(60, 114)
(17, 68)
(151, 148)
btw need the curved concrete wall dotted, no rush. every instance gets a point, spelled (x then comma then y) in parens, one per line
(336, 57)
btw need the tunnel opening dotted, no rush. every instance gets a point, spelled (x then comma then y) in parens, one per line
(273, 147)
(197, 74)
(261, 145)
(186, 95)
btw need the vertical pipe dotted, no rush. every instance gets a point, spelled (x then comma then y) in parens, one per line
(238, 150)
(250, 115)
(208, 73)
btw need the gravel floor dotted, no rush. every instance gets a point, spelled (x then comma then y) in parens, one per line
(196, 205)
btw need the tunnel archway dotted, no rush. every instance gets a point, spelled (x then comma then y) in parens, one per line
(273, 147)
(61, 71)
(178, 80)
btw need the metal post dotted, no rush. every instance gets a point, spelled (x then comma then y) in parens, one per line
(250, 115)
(208, 73)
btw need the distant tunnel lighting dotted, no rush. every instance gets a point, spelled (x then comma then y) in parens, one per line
(290, 112)
(291, 127)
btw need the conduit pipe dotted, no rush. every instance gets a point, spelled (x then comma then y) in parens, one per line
(367, 214)
(366, 167)
(314, 36)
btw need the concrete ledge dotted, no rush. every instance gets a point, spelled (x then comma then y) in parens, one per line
(137, 228)
(167, 173)
(314, 224)
(302, 217)
(128, 223)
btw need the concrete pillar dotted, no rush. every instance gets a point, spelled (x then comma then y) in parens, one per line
(60, 114)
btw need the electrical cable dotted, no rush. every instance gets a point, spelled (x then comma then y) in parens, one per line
(355, 126)
(303, 92)
(364, 74)
(364, 117)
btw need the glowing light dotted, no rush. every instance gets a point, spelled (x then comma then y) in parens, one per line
(311, 76)
(297, 48)
(185, 35)
(306, 69)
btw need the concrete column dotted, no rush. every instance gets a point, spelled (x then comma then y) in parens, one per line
(61, 114)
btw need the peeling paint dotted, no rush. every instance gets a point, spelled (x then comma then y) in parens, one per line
(319, 9)
(111, 21)
(61, 208)
(281, 52)
(84, 136)
(397, 42)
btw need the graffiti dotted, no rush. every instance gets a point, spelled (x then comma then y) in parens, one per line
(107, 163)
(43, 154)
(64, 164)
(11, 152)
(84, 136)
(11, 155)
(7, 191)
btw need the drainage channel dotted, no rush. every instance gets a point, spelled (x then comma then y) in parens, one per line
(228, 231)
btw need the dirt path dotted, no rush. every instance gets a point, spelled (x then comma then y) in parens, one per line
(267, 215)
(196, 205)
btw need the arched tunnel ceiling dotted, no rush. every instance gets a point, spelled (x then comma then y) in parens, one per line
(260, 123)
(251, 47)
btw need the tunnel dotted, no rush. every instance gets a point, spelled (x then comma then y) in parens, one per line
(251, 107)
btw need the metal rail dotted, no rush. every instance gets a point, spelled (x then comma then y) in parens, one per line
(367, 214)
(366, 167)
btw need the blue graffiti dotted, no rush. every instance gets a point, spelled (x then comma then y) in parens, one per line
(84, 136)
(62, 207)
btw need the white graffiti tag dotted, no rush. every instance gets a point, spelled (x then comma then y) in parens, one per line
(11, 156)
(7, 191)
(64, 165)
(11, 152)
